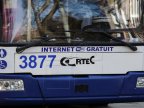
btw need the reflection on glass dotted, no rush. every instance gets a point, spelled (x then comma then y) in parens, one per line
(26, 20)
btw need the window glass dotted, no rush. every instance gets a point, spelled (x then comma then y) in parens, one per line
(22, 21)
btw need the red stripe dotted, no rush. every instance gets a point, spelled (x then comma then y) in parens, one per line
(8, 22)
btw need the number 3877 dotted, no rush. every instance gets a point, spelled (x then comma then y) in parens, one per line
(34, 61)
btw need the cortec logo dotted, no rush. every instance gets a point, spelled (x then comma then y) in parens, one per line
(3, 53)
(3, 64)
(74, 61)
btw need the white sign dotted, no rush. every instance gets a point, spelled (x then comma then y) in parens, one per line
(58, 63)
(72, 60)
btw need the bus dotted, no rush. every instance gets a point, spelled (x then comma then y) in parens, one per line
(71, 51)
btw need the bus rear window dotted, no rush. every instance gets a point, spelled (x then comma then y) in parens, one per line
(22, 21)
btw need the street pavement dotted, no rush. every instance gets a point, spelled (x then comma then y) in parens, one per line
(115, 105)
(126, 105)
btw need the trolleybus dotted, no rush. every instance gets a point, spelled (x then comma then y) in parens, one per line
(71, 51)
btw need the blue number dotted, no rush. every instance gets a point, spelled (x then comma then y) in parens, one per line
(52, 60)
(24, 58)
(43, 57)
(32, 63)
